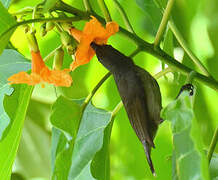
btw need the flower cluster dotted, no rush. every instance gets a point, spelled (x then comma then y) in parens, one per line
(92, 32)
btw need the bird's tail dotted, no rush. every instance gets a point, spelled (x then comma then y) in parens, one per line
(147, 149)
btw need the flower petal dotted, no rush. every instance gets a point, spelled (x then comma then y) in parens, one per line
(94, 28)
(77, 34)
(24, 78)
(37, 62)
(56, 77)
(92, 32)
(112, 28)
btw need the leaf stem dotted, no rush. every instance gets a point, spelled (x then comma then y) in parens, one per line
(184, 45)
(25, 10)
(51, 53)
(105, 10)
(117, 108)
(124, 16)
(87, 5)
(162, 73)
(134, 53)
(92, 93)
(212, 145)
(60, 5)
(163, 23)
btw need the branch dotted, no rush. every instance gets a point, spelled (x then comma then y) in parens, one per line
(187, 49)
(59, 19)
(163, 23)
(160, 54)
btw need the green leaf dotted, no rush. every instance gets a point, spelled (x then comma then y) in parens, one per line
(100, 166)
(73, 158)
(214, 166)
(89, 139)
(152, 14)
(66, 115)
(6, 21)
(6, 3)
(16, 107)
(189, 158)
(11, 62)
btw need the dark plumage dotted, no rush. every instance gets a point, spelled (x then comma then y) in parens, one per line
(139, 92)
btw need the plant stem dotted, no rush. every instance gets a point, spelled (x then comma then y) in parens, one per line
(145, 46)
(124, 16)
(162, 73)
(163, 23)
(212, 145)
(117, 108)
(87, 5)
(51, 53)
(160, 54)
(60, 5)
(26, 10)
(184, 45)
(134, 53)
(89, 97)
(156, 76)
(105, 10)
(59, 19)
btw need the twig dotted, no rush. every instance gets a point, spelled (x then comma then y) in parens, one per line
(184, 45)
(105, 10)
(163, 23)
(87, 5)
(212, 145)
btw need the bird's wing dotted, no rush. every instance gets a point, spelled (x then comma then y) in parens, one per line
(152, 92)
(132, 94)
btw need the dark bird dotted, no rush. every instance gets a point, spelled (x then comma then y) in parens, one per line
(139, 92)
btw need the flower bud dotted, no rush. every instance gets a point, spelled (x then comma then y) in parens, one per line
(43, 31)
(49, 26)
(66, 39)
(58, 59)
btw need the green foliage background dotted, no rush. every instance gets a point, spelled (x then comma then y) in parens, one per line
(198, 23)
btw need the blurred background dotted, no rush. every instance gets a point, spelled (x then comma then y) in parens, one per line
(197, 20)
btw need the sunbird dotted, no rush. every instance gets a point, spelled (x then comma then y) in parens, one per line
(140, 94)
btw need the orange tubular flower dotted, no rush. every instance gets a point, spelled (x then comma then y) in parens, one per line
(41, 74)
(92, 32)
